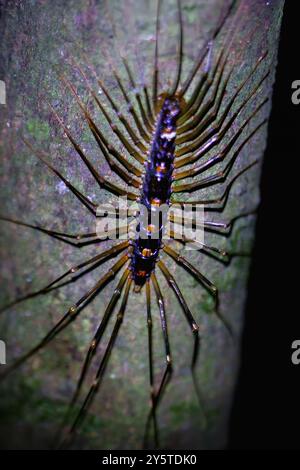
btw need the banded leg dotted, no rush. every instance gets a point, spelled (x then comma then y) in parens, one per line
(91, 352)
(95, 261)
(206, 283)
(200, 110)
(71, 314)
(196, 352)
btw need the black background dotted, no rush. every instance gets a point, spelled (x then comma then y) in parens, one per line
(266, 410)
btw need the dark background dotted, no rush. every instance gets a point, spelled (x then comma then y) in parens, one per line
(266, 410)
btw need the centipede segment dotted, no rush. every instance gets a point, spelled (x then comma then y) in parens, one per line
(170, 131)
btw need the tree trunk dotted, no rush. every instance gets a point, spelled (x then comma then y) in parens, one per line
(39, 39)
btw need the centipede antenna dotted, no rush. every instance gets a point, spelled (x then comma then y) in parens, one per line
(180, 50)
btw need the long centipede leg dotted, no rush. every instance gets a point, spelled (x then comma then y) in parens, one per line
(212, 136)
(102, 182)
(71, 314)
(195, 118)
(176, 290)
(218, 227)
(221, 155)
(106, 148)
(101, 370)
(150, 356)
(203, 119)
(194, 326)
(190, 115)
(197, 111)
(113, 127)
(147, 118)
(94, 237)
(155, 68)
(96, 260)
(183, 239)
(217, 254)
(58, 235)
(132, 151)
(222, 174)
(201, 278)
(90, 354)
(168, 369)
(205, 48)
(195, 356)
(91, 206)
(131, 132)
(144, 134)
(221, 199)
(180, 50)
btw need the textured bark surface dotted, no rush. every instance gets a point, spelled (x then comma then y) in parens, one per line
(38, 38)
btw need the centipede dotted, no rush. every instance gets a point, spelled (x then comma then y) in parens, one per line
(167, 133)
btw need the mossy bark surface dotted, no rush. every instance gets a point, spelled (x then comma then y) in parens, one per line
(39, 38)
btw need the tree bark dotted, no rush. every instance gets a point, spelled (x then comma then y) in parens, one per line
(38, 39)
